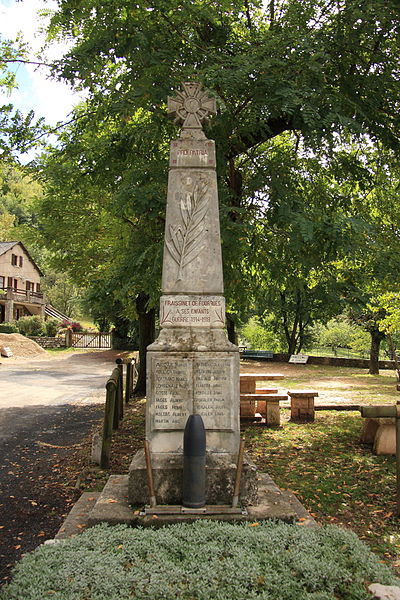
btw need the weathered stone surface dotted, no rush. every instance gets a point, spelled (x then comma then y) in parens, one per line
(273, 503)
(97, 443)
(115, 494)
(385, 439)
(192, 368)
(167, 475)
(384, 592)
(302, 405)
(180, 384)
(77, 518)
(192, 261)
(370, 427)
(192, 311)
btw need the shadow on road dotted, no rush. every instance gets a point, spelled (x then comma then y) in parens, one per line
(34, 491)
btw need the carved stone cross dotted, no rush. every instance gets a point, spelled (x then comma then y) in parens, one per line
(191, 106)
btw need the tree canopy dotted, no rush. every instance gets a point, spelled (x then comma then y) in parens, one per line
(305, 89)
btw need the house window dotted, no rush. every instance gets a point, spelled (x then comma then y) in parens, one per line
(38, 287)
(14, 260)
(10, 282)
(28, 286)
(2, 282)
(20, 261)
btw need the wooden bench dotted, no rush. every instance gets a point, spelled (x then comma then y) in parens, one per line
(261, 354)
(302, 408)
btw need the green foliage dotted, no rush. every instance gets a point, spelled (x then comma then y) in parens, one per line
(340, 333)
(51, 327)
(259, 337)
(33, 325)
(202, 560)
(390, 303)
(307, 75)
(18, 133)
(63, 293)
(8, 327)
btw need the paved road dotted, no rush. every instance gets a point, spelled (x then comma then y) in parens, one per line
(56, 380)
(46, 407)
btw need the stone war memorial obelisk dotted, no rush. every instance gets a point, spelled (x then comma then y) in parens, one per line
(192, 368)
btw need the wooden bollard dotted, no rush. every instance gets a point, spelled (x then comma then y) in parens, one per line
(109, 416)
(128, 384)
(112, 385)
(120, 388)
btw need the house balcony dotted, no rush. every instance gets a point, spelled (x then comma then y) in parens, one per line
(22, 296)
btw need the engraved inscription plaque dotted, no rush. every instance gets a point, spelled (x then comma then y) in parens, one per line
(192, 311)
(186, 385)
(170, 393)
(212, 397)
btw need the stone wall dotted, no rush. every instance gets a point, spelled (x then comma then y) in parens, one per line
(358, 363)
(49, 342)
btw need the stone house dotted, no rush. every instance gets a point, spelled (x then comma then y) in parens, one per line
(20, 291)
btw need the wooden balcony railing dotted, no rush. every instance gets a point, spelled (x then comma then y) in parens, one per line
(19, 295)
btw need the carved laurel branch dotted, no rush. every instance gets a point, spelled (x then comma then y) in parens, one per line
(186, 240)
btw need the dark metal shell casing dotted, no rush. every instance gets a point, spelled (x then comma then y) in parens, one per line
(194, 463)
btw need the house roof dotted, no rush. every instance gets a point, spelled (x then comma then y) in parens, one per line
(6, 246)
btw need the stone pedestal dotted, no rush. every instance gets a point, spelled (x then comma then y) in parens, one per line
(167, 474)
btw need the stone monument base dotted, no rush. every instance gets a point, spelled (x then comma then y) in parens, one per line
(167, 474)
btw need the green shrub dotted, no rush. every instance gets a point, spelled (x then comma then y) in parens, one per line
(8, 328)
(257, 337)
(51, 327)
(33, 325)
(204, 560)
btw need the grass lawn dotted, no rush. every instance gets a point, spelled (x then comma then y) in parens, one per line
(337, 479)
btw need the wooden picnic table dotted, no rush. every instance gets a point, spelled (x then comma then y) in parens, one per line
(248, 381)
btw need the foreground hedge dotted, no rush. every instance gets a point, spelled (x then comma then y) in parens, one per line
(201, 561)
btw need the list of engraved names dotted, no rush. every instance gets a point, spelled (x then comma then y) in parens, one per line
(171, 396)
(211, 392)
(186, 385)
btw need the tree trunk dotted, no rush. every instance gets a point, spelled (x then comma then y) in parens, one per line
(120, 335)
(146, 320)
(376, 338)
(231, 329)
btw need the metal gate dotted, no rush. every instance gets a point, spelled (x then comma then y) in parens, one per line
(94, 339)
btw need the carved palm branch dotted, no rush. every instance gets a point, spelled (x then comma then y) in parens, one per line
(186, 240)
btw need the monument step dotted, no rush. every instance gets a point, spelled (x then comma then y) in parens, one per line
(112, 507)
(77, 518)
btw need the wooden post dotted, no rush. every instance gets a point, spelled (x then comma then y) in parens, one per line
(120, 387)
(128, 381)
(109, 413)
(68, 338)
(112, 385)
